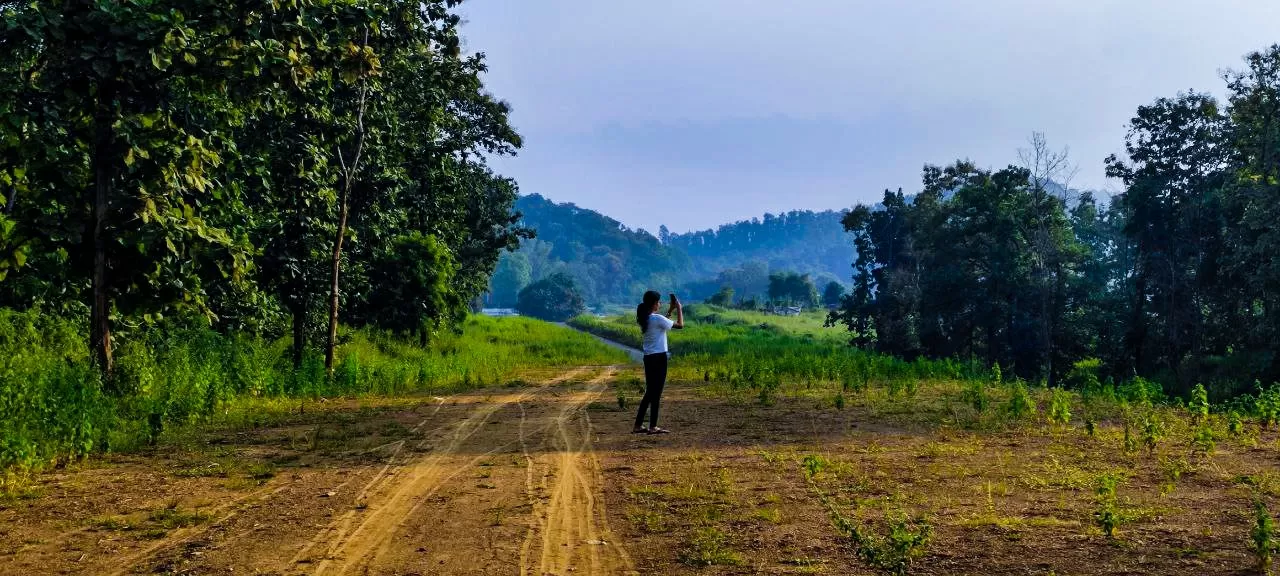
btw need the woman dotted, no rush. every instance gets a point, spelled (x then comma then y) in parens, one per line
(655, 327)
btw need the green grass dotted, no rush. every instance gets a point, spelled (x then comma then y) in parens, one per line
(738, 347)
(55, 407)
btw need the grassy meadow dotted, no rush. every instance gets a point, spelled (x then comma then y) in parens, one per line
(55, 407)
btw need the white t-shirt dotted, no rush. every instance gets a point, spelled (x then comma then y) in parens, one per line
(655, 334)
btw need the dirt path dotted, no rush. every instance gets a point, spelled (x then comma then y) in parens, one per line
(490, 482)
(570, 520)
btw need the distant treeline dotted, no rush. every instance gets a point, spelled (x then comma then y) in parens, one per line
(1176, 278)
(611, 263)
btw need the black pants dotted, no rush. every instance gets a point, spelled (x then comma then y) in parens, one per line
(655, 376)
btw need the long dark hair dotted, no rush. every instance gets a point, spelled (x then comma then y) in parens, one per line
(645, 308)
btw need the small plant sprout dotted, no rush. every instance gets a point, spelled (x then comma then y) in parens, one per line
(1199, 405)
(1203, 439)
(813, 465)
(1105, 514)
(975, 393)
(1268, 404)
(1020, 404)
(891, 553)
(1059, 407)
(1130, 444)
(1152, 432)
(1262, 536)
(839, 401)
(1090, 427)
(1235, 425)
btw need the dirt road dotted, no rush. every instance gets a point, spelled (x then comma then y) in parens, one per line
(490, 482)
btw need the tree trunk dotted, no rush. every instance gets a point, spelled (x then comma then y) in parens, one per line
(299, 333)
(100, 308)
(337, 271)
(349, 172)
(1137, 323)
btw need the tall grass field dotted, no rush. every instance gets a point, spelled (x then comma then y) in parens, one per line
(55, 406)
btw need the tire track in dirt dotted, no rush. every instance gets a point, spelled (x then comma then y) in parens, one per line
(227, 512)
(569, 518)
(355, 540)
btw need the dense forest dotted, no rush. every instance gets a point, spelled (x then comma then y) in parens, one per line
(258, 164)
(611, 263)
(1174, 279)
(206, 199)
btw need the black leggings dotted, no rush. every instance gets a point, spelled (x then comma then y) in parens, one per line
(655, 376)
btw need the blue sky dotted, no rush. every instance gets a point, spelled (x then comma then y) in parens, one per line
(698, 112)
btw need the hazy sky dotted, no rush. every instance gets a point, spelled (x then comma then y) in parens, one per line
(694, 113)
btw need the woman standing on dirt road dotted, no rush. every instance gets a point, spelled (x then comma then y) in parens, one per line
(655, 327)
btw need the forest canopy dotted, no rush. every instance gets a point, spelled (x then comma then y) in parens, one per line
(271, 167)
(1174, 279)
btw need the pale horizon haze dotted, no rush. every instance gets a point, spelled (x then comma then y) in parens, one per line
(702, 112)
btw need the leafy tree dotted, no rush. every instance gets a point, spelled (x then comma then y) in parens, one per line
(722, 298)
(833, 294)
(554, 299)
(412, 286)
(117, 121)
(793, 288)
(512, 275)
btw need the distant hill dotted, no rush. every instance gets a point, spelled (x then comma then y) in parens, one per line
(803, 241)
(610, 262)
(614, 264)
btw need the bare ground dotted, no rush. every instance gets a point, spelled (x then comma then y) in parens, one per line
(546, 479)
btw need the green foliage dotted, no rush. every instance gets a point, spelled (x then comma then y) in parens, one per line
(813, 465)
(554, 298)
(511, 276)
(1267, 406)
(1020, 405)
(792, 289)
(1083, 376)
(708, 547)
(609, 262)
(1203, 439)
(999, 265)
(1153, 431)
(893, 552)
(1199, 405)
(722, 298)
(1059, 407)
(1235, 425)
(1106, 512)
(244, 162)
(833, 293)
(1262, 539)
(975, 393)
(1130, 444)
(741, 254)
(752, 350)
(412, 286)
(53, 408)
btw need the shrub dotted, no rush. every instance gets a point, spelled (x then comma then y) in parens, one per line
(554, 299)
(1199, 405)
(1020, 404)
(1060, 407)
